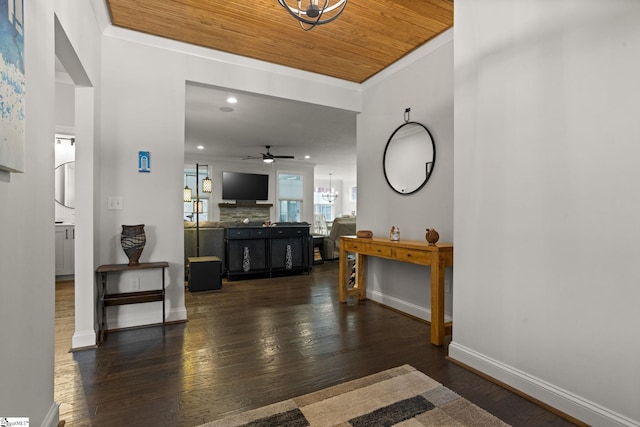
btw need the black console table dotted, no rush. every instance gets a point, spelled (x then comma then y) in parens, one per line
(268, 250)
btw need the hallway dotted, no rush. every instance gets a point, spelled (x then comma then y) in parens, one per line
(253, 343)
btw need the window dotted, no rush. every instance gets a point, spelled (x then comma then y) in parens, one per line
(190, 181)
(325, 210)
(320, 205)
(290, 194)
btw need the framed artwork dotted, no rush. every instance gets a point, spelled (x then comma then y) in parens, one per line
(12, 87)
(144, 161)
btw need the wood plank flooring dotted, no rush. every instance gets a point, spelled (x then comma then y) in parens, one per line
(253, 343)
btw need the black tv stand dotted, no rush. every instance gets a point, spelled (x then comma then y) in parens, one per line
(267, 251)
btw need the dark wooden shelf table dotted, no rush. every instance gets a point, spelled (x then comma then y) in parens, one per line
(108, 300)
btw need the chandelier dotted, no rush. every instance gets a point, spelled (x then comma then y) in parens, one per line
(330, 196)
(314, 12)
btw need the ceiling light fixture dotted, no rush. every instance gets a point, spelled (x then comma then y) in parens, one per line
(268, 160)
(314, 12)
(330, 196)
(232, 100)
(207, 185)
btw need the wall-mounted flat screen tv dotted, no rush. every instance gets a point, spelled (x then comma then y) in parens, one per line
(245, 186)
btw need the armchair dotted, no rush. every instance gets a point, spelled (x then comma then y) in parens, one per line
(343, 226)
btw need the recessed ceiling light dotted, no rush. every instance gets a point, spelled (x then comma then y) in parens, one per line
(200, 147)
(307, 156)
(232, 100)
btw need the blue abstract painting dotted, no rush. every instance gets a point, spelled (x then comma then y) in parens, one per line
(12, 90)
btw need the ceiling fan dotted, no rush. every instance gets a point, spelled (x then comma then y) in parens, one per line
(268, 157)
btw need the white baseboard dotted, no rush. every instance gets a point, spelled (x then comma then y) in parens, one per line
(53, 416)
(177, 314)
(556, 397)
(404, 306)
(83, 339)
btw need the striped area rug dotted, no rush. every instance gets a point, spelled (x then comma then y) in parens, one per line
(399, 396)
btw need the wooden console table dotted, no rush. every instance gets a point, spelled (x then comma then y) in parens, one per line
(106, 300)
(416, 252)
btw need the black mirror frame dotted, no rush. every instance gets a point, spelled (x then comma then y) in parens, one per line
(428, 172)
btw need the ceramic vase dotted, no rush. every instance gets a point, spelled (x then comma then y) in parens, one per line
(288, 258)
(246, 262)
(133, 240)
(432, 236)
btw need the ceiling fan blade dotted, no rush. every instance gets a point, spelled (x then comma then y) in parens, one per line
(268, 155)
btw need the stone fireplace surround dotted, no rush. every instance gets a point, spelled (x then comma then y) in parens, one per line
(236, 212)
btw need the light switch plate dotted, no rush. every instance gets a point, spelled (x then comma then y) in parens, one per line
(114, 203)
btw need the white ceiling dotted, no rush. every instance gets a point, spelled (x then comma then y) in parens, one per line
(327, 135)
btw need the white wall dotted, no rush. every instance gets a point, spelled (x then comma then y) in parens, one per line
(546, 201)
(423, 82)
(78, 46)
(143, 108)
(65, 109)
(27, 248)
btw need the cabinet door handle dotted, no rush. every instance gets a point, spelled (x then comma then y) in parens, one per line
(66, 234)
(74, 234)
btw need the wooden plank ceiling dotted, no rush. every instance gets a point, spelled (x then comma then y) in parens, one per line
(368, 36)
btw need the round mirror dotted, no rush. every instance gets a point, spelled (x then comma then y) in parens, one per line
(409, 158)
(65, 184)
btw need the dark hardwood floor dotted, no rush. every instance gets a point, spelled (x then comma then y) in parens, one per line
(253, 343)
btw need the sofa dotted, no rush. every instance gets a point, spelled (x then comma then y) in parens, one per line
(211, 240)
(343, 226)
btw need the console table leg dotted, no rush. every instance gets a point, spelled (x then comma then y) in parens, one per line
(342, 280)
(164, 316)
(361, 281)
(437, 302)
(103, 321)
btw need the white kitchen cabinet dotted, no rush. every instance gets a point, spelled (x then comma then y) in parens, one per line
(65, 240)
